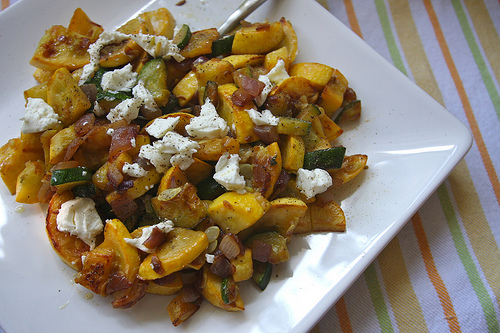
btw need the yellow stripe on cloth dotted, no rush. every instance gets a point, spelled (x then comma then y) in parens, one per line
(404, 302)
(486, 32)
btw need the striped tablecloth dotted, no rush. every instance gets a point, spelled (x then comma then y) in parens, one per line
(442, 272)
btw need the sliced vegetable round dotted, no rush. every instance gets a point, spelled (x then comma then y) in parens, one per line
(222, 46)
(183, 36)
(70, 177)
(262, 273)
(330, 158)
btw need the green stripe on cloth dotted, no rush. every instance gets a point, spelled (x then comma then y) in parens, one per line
(389, 36)
(478, 57)
(486, 32)
(467, 261)
(378, 299)
(479, 231)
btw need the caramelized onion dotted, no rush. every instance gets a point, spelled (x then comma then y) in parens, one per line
(266, 133)
(156, 238)
(261, 251)
(114, 175)
(123, 206)
(64, 165)
(281, 184)
(241, 97)
(252, 86)
(230, 245)
(85, 124)
(123, 139)
(222, 266)
(156, 264)
(189, 294)
(126, 298)
(117, 281)
(91, 91)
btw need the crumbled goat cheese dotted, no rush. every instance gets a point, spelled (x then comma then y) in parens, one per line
(275, 76)
(158, 46)
(94, 50)
(98, 111)
(133, 170)
(278, 74)
(162, 126)
(208, 125)
(79, 217)
(122, 79)
(263, 118)
(165, 227)
(312, 182)
(127, 110)
(141, 92)
(39, 116)
(227, 173)
(173, 149)
(210, 258)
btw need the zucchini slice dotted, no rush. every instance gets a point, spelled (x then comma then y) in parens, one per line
(293, 126)
(222, 46)
(183, 37)
(65, 179)
(262, 273)
(209, 189)
(330, 158)
(309, 112)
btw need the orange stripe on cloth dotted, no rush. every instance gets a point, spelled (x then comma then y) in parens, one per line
(353, 20)
(343, 315)
(435, 278)
(404, 302)
(469, 113)
(5, 4)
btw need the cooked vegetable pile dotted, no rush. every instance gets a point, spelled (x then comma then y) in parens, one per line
(179, 162)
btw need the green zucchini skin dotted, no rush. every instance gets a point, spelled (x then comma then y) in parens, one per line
(183, 36)
(330, 158)
(262, 273)
(209, 189)
(222, 46)
(70, 175)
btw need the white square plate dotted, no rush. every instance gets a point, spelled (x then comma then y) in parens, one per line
(412, 142)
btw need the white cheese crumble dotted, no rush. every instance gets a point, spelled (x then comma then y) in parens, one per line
(79, 217)
(122, 79)
(173, 149)
(161, 126)
(210, 258)
(141, 92)
(263, 118)
(94, 50)
(227, 173)
(312, 182)
(165, 227)
(275, 76)
(133, 170)
(278, 74)
(158, 46)
(39, 116)
(98, 111)
(208, 125)
(127, 110)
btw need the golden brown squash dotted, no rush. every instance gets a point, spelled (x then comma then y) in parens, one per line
(69, 248)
